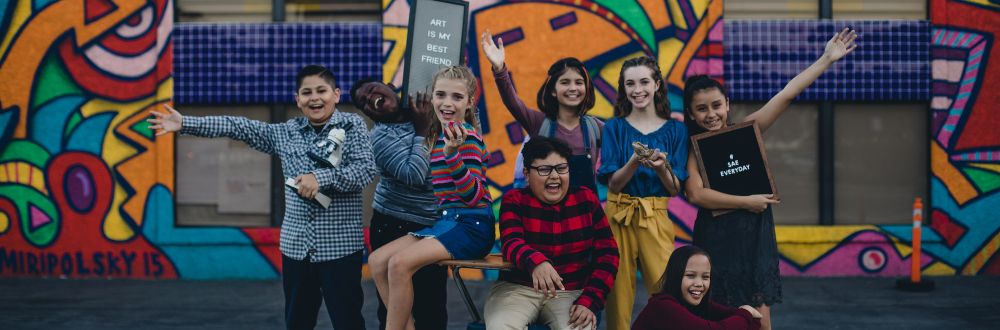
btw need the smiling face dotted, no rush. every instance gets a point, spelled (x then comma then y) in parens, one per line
(377, 101)
(697, 279)
(317, 99)
(709, 109)
(640, 87)
(570, 89)
(551, 188)
(451, 100)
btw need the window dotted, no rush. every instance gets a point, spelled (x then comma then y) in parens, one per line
(880, 162)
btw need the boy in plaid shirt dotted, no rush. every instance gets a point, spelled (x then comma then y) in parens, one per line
(328, 152)
(559, 240)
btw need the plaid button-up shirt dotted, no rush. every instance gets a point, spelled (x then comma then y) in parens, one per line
(309, 232)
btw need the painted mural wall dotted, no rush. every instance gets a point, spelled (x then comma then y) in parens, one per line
(86, 189)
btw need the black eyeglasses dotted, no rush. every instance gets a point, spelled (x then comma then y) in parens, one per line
(546, 170)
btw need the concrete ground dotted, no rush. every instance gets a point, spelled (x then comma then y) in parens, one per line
(809, 303)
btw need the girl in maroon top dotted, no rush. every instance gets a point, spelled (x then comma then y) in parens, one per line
(682, 304)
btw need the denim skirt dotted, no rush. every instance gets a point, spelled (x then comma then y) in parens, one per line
(467, 233)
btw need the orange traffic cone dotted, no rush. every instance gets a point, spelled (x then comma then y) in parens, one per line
(915, 283)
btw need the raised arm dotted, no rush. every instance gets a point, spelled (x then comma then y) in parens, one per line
(839, 46)
(258, 135)
(528, 118)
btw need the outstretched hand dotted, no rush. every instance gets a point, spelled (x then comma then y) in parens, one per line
(841, 44)
(494, 53)
(165, 122)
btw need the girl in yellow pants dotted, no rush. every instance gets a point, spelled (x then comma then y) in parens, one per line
(639, 186)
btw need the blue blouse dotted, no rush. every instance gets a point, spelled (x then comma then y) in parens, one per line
(616, 149)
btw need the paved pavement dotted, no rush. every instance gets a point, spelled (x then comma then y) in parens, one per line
(809, 303)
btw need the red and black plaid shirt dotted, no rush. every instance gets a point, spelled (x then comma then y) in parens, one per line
(572, 235)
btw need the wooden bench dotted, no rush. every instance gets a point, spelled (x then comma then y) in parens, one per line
(492, 261)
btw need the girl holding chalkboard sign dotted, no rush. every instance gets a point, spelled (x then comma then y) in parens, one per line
(642, 163)
(458, 175)
(742, 243)
(563, 100)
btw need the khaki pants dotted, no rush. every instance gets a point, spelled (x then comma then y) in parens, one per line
(513, 306)
(645, 238)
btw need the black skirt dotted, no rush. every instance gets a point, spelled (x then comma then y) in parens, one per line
(744, 255)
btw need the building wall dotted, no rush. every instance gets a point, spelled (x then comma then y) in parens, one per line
(87, 191)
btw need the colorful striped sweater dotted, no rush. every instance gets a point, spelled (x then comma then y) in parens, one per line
(459, 179)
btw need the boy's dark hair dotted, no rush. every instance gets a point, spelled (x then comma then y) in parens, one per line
(549, 104)
(314, 70)
(540, 147)
(693, 85)
(357, 85)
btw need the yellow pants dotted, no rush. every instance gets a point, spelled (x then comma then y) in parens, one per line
(645, 238)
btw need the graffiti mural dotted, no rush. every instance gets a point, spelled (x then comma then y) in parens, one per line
(965, 148)
(86, 189)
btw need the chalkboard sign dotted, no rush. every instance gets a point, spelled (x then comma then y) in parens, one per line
(435, 39)
(732, 160)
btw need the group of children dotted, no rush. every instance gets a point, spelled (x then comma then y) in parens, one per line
(573, 257)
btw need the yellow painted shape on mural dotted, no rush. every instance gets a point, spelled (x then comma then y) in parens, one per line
(676, 14)
(804, 244)
(4, 222)
(394, 59)
(700, 7)
(611, 71)
(21, 14)
(980, 258)
(153, 166)
(38, 36)
(960, 188)
(670, 50)
(530, 65)
(675, 74)
(656, 10)
(988, 167)
(603, 108)
(984, 3)
(939, 269)
(23, 173)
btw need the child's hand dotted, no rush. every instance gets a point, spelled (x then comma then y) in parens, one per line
(546, 280)
(582, 318)
(454, 136)
(495, 54)
(421, 107)
(308, 186)
(753, 311)
(759, 203)
(841, 44)
(165, 123)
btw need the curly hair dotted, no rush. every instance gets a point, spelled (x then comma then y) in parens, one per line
(623, 107)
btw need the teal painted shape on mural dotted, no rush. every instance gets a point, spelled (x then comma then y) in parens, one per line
(7, 122)
(6, 12)
(635, 16)
(977, 216)
(89, 135)
(201, 253)
(49, 122)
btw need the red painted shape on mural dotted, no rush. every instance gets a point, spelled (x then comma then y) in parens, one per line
(950, 231)
(116, 88)
(81, 250)
(979, 130)
(95, 9)
(992, 266)
(266, 241)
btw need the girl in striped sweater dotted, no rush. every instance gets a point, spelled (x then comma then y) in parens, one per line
(458, 174)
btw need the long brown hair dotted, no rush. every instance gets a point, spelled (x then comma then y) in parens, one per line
(623, 107)
(456, 72)
(549, 104)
